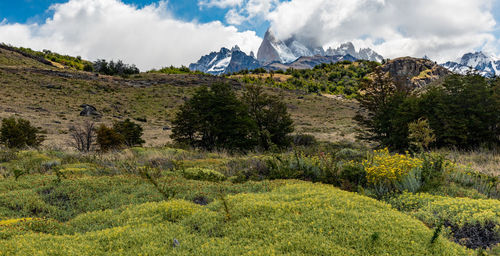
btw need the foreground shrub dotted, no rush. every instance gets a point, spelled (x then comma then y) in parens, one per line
(202, 174)
(130, 131)
(20, 133)
(123, 133)
(108, 138)
(384, 168)
(475, 222)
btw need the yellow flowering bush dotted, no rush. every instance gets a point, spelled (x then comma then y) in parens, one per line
(384, 168)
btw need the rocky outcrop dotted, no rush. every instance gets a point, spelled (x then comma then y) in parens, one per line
(414, 73)
(89, 110)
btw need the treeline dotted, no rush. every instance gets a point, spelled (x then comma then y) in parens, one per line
(175, 70)
(112, 68)
(342, 78)
(462, 112)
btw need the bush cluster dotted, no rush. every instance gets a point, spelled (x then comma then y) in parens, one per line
(114, 68)
(215, 118)
(19, 133)
(341, 78)
(123, 133)
(462, 112)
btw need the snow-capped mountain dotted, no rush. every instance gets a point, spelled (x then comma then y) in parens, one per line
(278, 54)
(272, 49)
(225, 61)
(362, 54)
(476, 62)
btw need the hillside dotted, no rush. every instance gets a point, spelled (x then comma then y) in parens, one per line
(51, 97)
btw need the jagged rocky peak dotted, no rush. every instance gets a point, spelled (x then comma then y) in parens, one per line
(272, 49)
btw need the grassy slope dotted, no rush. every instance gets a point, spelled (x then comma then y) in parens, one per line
(300, 219)
(50, 98)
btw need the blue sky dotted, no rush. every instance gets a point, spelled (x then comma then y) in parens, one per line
(181, 31)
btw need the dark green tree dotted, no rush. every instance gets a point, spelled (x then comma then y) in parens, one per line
(214, 118)
(380, 102)
(463, 112)
(271, 116)
(20, 133)
(130, 131)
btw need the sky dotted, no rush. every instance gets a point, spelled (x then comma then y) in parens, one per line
(153, 33)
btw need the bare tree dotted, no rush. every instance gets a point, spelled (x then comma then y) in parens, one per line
(83, 137)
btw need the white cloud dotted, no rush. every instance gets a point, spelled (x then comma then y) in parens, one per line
(220, 3)
(442, 29)
(149, 37)
(241, 11)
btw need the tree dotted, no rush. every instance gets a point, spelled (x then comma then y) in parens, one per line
(20, 133)
(83, 137)
(463, 112)
(214, 118)
(380, 101)
(420, 134)
(108, 138)
(271, 117)
(130, 131)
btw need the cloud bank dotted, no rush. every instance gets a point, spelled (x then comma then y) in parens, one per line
(149, 37)
(441, 29)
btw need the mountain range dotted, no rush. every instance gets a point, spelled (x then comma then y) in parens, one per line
(274, 54)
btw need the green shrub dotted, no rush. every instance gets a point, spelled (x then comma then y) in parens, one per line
(474, 221)
(352, 175)
(20, 133)
(108, 138)
(130, 131)
(432, 171)
(205, 174)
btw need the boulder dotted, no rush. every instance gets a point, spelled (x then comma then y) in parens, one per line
(89, 110)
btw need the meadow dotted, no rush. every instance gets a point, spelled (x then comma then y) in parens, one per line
(137, 201)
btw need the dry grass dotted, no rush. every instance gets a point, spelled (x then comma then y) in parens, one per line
(484, 161)
(50, 99)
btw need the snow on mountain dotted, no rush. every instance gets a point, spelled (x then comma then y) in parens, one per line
(479, 62)
(273, 49)
(281, 53)
(348, 48)
(225, 61)
(299, 49)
